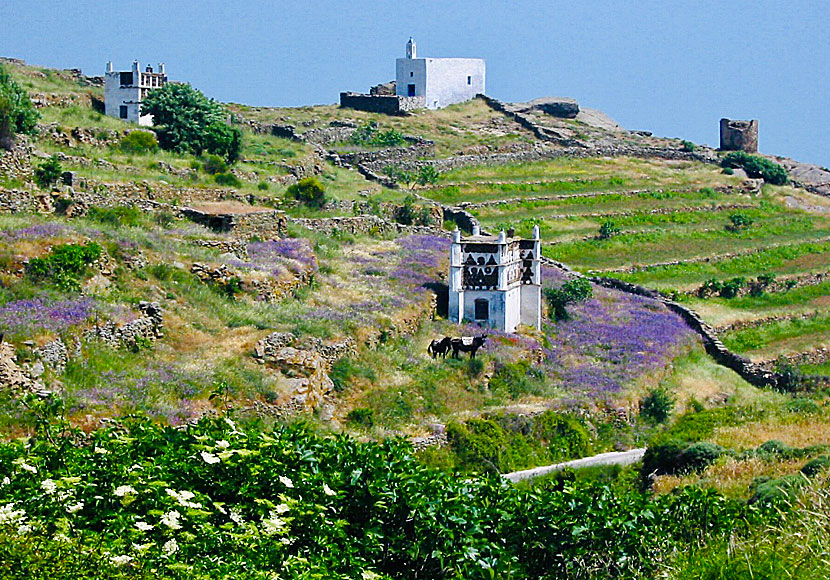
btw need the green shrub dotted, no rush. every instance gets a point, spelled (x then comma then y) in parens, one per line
(698, 456)
(344, 369)
(657, 405)
(782, 489)
(399, 175)
(774, 448)
(662, 459)
(687, 146)
(361, 416)
(64, 265)
(263, 186)
(479, 442)
(308, 191)
(17, 113)
(728, 171)
(731, 288)
(576, 290)
(608, 230)
(816, 466)
(370, 134)
(139, 142)
(757, 166)
(428, 174)
(516, 378)
(564, 436)
(186, 120)
(48, 172)
(214, 164)
(228, 179)
(738, 222)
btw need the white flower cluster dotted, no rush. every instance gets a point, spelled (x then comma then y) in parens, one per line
(273, 524)
(183, 498)
(120, 560)
(170, 547)
(48, 486)
(123, 490)
(171, 520)
(143, 526)
(74, 507)
(286, 481)
(10, 516)
(209, 458)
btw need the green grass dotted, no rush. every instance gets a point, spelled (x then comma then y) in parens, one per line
(766, 337)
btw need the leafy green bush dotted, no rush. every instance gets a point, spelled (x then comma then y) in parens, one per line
(738, 222)
(139, 142)
(48, 172)
(756, 166)
(608, 230)
(480, 442)
(687, 146)
(228, 179)
(214, 164)
(370, 134)
(186, 120)
(781, 489)
(731, 288)
(674, 456)
(219, 499)
(428, 174)
(698, 456)
(816, 466)
(361, 416)
(17, 113)
(411, 214)
(517, 379)
(576, 290)
(64, 265)
(263, 186)
(309, 191)
(399, 175)
(564, 435)
(657, 405)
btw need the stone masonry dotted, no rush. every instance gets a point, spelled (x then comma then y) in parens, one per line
(739, 135)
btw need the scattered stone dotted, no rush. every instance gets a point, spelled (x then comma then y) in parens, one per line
(562, 107)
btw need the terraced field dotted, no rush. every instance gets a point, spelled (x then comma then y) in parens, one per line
(699, 234)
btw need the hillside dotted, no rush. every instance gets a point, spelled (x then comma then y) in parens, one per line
(161, 285)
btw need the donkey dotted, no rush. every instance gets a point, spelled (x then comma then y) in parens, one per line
(469, 344)
(441, 347)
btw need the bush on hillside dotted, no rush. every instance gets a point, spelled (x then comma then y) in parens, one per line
(214, 164)
(308, 191)
(48, 172)
(687, 146)
(17, 113)
(576, 290)
(139, 142)
(657, 405)
(186, 120)
(816, 466)
(64, 265)
(781, 489)
(116, 216)
(228, 179)
(608, 230)
(756, 166)
(564, 435)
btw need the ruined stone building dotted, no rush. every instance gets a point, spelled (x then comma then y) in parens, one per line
(124, 91)
(739, 135)
(495, 281)
(440, 81)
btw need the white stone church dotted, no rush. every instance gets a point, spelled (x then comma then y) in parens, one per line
(440, 81)
(124, 91)
(496, 281)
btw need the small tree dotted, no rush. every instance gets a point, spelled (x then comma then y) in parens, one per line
(186, 120)
(608, 230)
(48, 172)
(17, 113)
(576, 290)
(139, 142)
(309, 191)
(428, 174)
(658, 405)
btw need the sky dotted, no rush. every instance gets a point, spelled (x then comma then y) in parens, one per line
(670, 67)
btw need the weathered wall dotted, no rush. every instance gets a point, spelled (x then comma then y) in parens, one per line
(739, 135)
(385, 104)
(440, 81)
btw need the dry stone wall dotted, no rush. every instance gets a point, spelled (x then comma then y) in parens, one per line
(146, 329)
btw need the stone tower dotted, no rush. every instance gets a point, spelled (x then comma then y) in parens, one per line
(739, 135)
(495, 281)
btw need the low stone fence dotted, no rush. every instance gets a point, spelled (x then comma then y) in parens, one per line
(391, 155)
(265, 223)
(363, 224)
(148, 328)
(386, 104)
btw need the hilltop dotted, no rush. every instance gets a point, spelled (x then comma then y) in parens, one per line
(176, 286)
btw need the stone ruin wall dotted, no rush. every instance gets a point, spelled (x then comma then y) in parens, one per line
(739, 135)
(385, 104)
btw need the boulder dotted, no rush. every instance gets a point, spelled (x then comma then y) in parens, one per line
(562, 107)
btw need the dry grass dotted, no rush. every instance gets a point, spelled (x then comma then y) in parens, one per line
(803, 432)
(730, 476)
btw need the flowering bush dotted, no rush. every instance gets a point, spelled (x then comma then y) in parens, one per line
(219, 500)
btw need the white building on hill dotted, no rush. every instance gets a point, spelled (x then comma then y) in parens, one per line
(440, 81)
(124, 91)
(496, 281)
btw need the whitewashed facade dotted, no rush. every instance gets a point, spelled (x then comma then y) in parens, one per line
(440, 81)
(495, 281)
(124, 91)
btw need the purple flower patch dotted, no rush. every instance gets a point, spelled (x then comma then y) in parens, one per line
(26, 317)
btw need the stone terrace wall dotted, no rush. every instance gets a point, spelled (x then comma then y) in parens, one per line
(386, 104)
(363, 224)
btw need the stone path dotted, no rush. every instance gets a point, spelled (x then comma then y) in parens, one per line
(610, 458)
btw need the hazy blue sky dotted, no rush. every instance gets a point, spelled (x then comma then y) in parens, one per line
(674, 68)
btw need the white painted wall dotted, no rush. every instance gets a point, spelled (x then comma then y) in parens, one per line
(116, 96)
(441, 81)
(447, 80)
